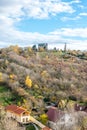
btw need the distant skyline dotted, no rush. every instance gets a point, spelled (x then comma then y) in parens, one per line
(56, 22)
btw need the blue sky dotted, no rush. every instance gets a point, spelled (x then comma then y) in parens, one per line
(56, 22)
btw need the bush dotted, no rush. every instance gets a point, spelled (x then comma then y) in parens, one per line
(30, 127)
(43, 118)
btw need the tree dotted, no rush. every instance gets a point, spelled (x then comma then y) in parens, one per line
(62, 104)
(34, 48)
(29, 49)
(0, 76)
(43, 118)
(28, 81)
(15, 48)
(12, 76)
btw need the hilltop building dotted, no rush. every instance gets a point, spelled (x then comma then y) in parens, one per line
(42, 46)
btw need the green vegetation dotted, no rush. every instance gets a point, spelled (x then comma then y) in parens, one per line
(8, 97)
(30, 127)
(43, 118)
(3, 88)
(5, 95)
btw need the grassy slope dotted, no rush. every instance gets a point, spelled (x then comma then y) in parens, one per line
(7, 96)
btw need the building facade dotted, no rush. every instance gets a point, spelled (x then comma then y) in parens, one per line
(18, 113)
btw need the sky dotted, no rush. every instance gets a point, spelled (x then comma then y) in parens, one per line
(56, 22)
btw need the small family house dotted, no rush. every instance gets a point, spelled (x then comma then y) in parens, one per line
(18, 113)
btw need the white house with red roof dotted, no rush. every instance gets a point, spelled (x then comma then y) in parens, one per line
(18, 113)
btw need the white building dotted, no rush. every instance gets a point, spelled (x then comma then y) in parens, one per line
(18, 113)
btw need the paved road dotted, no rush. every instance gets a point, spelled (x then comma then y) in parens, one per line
(37, 122)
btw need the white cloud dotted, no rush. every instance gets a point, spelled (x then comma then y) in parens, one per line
(70, 32)
(83, 14)
(54, 39)
(70, 18)
(12, 11)
(81, 6)
(75, 1)
(52, 42)
(43, 9)
(11, 8)
(77, 45)
(71, 44)
(34, 8)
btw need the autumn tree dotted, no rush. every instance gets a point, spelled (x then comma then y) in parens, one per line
(29, 49)
(0, 76)
(28, 82)
(12, 76)
(14, 48)
(43, 118)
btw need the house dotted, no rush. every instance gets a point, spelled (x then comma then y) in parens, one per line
(18, 113)
(54, 114)
(79, 107)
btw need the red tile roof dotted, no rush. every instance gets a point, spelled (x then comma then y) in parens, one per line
(11, 107)
(15, 109)
(19, 110)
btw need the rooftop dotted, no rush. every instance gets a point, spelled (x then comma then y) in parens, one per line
(16, 109)
(54, 114)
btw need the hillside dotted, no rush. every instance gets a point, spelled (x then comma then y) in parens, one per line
(39, 78)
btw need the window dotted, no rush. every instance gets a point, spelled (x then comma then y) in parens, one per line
(23, 119)
(26, 119)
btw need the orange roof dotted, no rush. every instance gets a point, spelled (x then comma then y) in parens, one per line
(16, 109)
(11, 107)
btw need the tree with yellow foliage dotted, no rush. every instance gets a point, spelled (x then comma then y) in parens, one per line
(29, 49)
(28, 81)
(44, 74)
(62, 104)
(43, 118)
(11, 76)
(36, 86)
(0, 76)
(15, 48)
